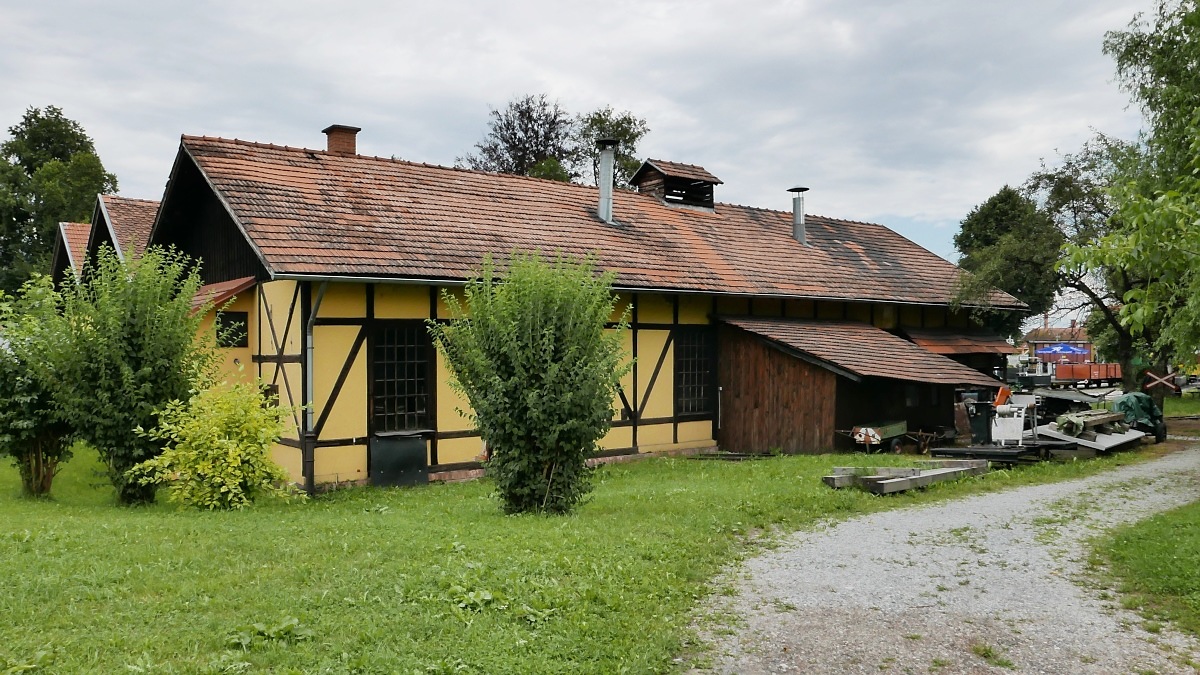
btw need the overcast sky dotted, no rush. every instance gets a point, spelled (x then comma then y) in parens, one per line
(903, 113)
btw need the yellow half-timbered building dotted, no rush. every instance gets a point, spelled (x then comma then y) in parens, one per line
(751, 329)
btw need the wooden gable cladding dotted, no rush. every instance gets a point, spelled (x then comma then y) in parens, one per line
(771, 400)
(194, 220)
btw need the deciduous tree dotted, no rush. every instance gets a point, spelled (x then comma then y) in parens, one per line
(1007, 243)
(49, 173)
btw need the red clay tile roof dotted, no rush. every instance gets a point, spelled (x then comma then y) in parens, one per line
(131, 220)
(76, 237)
(216, 294)
(949, 342)
(863, 350)
(314, 213)
(677, 170)
(1057, 334)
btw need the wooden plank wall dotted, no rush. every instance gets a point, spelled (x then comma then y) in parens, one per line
(771, 400)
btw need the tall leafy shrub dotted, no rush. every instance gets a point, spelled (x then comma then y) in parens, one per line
(132, 347)
(532, 355)
(33, 431)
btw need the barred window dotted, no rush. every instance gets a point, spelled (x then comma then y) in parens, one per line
(400, 360)
(695, 385)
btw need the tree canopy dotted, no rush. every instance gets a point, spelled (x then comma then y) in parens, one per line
(534, 136)
(1008, 243)
(1155, 234)
(49, 173)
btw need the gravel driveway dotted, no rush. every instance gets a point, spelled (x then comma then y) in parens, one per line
(992, 583)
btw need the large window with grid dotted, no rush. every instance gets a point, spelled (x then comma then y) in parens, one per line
(400, 363)
(695, 381)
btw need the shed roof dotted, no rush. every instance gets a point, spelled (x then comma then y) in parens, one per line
(218, 293)
(863, 350)
(309, 212)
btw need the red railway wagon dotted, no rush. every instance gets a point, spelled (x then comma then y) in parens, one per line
(1098, 374)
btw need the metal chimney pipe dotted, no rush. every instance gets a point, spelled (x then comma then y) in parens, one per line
(608, 160)
(798, 231)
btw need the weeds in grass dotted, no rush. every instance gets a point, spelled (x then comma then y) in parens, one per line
(990, 654)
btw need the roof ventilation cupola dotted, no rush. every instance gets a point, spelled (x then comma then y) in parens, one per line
(675, 183)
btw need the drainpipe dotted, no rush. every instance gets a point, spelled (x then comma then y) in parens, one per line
(608, 152)
(310, 448)
(798, 231)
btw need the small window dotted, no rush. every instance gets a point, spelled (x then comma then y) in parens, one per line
(695, 386)
(231, 329)
(400, 353)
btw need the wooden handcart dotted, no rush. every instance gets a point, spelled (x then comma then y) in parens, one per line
(889, 436)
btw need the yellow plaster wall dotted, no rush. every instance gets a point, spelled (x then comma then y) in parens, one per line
(338, 464)
(277, 295)
(294, 381)
(455, 450)
(654, 435)
(694, 309)
(449, 402)
(664, 447)
(627, 379)
(401, 301)
(341, 300)
(443, 309)
(291, 461)
(236, 362)
(661, 402)
(331, 346)
(617, 437)
(695, 431)
(654, 308)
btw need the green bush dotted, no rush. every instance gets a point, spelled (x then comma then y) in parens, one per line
(132, 347)
(33, 432)
(218, 449)
(532, 355)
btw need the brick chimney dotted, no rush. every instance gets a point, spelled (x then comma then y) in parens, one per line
(341, 139)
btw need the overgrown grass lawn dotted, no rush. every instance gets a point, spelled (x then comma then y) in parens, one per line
(433, 579)
(1177, 406)
(1158, 564)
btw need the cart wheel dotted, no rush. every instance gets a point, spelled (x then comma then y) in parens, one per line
(1160, 432)
(893, 446)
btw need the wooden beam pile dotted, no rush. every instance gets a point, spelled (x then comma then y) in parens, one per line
(883, 480)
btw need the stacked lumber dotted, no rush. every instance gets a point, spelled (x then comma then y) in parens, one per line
(883, 480)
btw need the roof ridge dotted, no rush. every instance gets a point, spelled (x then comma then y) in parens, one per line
(395, 160)
(135, 199)
(808, 215)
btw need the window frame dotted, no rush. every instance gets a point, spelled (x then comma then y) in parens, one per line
(396, 384)
(695, 345)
